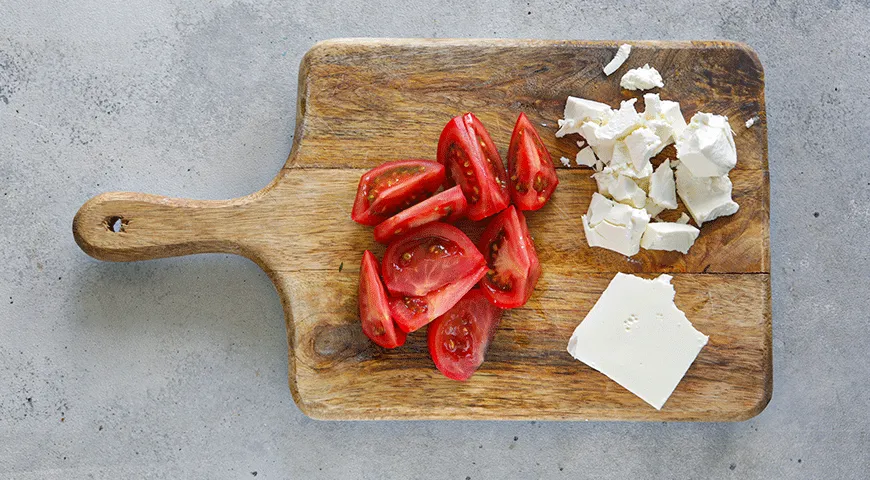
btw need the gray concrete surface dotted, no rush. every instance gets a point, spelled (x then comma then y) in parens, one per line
(177, 368)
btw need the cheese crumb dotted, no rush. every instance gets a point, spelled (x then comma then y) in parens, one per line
(565, 161)
(614, 226)
(662, 189)
(618, 59)
(706, 198)
(675, 237)
(585, 157)
(706, 147)
(643, 78)
(752, 121)
(684, 219)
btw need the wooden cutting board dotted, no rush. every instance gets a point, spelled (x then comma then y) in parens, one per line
(363, 102)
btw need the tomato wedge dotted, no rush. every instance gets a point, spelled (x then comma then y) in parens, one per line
(513, 264)
(413, 312)
(447, 206)
(473, 162)
(532, 174)
(459, 339)
(428, 258)
(393, 187)
(374, 310)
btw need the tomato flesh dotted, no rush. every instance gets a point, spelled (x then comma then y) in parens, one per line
(447, 206)
(393, 187)
(513, 266)
(428, 258)
(458, 339)
(413, 312)
(374, 309)
(532, 173)
(472, 161)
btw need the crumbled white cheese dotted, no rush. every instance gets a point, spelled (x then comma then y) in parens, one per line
(585, 157)
(621, 162)
(653, 208)
(579, 111)
(565, 161)
(642, 145)
(627, 192)
(643, 78)
(706, 147)
(662, 187)
(618, 59)
(623, 122)
(752, 121)
(706, 198)
(675, 237)
(605, 179)
(614, 226)
(684, 219)
(637, 336)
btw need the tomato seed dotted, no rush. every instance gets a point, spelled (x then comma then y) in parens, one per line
(475, 189)
(469, 173)
(406, 256)
(466, 164)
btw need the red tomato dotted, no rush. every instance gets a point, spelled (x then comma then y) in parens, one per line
(473, 162)
(428, 258)
(412, 313)
(458, 340)
(393, 187)
(513, 264)
(532, 174)
(447, 206)
(374, 311)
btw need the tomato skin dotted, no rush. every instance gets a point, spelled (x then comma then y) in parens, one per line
(414, 312)
(458, 339)
(472, 161)
(394, 186)
(533, 176)
(374, 309)
(447, 206)
(427, 258)
(512, 262)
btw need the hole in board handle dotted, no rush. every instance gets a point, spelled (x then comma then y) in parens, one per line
(115, 224)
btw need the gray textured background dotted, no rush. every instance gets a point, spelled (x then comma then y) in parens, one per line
(177, 368)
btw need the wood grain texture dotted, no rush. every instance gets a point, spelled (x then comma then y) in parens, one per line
(362, 102)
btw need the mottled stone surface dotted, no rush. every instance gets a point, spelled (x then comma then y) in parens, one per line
(177, 368)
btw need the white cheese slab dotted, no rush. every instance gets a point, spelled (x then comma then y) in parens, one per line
(637, 336)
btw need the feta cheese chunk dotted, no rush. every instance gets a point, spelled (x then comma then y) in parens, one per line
(618, 59)
(637, 336)
(585, 157)
(653, 208)
(643, 78)
(579, 111)
(614, 226)
(706, 198)
(664, 118)
(749, 123)
(675, 237)
(662, 189)
(642, 145)
(627, 192)
(623, 122)
(706, 147)
(565, 161)
(684, 219)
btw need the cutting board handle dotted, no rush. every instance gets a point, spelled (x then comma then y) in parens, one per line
(125, 227)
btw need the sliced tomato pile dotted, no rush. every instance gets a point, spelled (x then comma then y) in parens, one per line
(431, 268)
